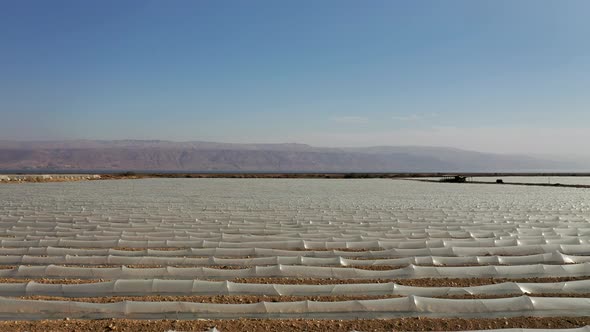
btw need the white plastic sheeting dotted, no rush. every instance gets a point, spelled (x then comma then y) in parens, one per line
(385, 308)
(271, 243)
(468, 252)
(291, 228)
(549, 258)
(290, 271)
(203, 287)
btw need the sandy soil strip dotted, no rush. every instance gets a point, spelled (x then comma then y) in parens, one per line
(246, 299)
(184, 248)
(52, 281)
(139, 249)
(423, 282)
(265, 325)
(225, 299)
(219, 267)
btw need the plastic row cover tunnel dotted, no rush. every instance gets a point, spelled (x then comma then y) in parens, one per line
(386, 308)
(202, 287)
(292, 271)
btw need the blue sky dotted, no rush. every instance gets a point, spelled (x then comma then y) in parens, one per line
(502, 75)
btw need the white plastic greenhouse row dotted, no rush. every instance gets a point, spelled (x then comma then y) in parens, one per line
(315, 219)
(304, 231)
(110, 214)
(384, 308)
(292, 244)
(52, 214)
(49, 214)
(422, 226)
(141, 287)
(335, 230)
(418, 226)
(437, 207)
(51, 211)
(291, 271)
(54, 211)
(374, 235)
(548, 258)
(578, 250)
(301, 234)
(431, 241)
(410, 242)
(329, 206)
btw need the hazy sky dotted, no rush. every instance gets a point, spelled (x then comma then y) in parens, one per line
(494, 75)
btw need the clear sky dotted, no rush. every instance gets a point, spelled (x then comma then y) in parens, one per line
(497, 75)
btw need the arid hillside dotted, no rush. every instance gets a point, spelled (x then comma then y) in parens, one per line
(207, 156)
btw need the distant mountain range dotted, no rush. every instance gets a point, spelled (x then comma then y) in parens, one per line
(153, 155)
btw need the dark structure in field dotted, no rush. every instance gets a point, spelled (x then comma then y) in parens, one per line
(454, 178)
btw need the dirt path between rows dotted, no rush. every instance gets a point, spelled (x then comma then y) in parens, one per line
(309, 325)
(218, 267)
(422, 282)
(249, 299)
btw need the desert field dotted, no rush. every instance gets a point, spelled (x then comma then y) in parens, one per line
(294, 254)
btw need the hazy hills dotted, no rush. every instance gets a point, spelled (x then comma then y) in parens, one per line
(211, 156)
